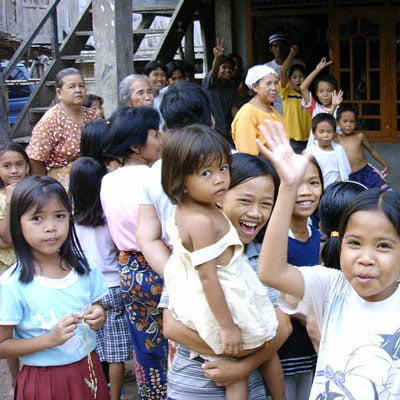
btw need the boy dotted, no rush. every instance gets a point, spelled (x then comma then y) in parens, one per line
(331, 156)
(354, 144)
(222, 92)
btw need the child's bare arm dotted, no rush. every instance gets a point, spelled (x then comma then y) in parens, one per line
(203, 234)
(273, 268)
(286, 64)
(376, 155)
(218, 51)
(337, 98)
(305, 86)
(148, 236)
(13, 348)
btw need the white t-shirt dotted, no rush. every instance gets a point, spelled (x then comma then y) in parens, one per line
(100, 250)
(153, 194)
(360, 343)
(120, 193)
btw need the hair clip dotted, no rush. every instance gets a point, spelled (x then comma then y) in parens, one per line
(334, 234)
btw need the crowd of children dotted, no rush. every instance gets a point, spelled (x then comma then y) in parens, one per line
(232, 251)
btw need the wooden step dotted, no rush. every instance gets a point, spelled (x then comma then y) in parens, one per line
(38, 110)
(148, 31)
(84, 33)
(157, 10)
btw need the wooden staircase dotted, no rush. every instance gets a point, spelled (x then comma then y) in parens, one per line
(181, 13)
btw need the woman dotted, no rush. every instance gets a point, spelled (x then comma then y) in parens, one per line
(135, 91)
(56, 137)
(248, 205)
(264, 82)
(157, 73)
(134, 138)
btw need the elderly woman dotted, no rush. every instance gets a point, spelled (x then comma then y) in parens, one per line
(135, 91)
(264, 82)
(56, 137)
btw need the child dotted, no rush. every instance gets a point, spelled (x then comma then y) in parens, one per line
(327, 99)
(330, 155)
(14, 167)
(355, 307)
(354, 144)
(96, 103)
(294, 115)
(222, 92)
(230, 308)
(297, 354)
(113, 341)
(49, 300)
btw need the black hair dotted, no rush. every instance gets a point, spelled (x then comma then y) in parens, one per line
(185, 103)
(345, 108)
(224, 59)
(247, 166)
(325, 78)
(93, 138)
(84, 188)
(63, 73)
(129, 127)
(323, 117)
(153, 65)
(11, 146)
(172, 66)
(185, 151)
(335, 198)
(188, 69)
(90, 99)
(296, 67)
(35, 192)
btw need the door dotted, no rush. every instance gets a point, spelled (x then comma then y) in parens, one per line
(367, 65)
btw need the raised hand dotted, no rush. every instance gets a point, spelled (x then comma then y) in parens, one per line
(294, 49)
(323, 64)
(337, 97)
(289, 165)
(218, 50)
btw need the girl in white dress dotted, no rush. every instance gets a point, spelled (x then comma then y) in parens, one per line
(212, 289)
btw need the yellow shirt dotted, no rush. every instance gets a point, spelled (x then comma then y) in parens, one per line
(245, 129)
(7, 255)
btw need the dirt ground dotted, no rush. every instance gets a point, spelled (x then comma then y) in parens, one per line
(5, 382)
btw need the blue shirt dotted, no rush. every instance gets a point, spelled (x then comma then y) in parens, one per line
(34, 309)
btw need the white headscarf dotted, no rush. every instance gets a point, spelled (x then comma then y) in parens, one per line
(256, 73)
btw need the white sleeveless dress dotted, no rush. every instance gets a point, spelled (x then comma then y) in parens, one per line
(245, 295)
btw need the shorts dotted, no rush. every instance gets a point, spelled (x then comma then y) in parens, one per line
(370, 177)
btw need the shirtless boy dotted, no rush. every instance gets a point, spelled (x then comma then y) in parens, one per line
(354, 144)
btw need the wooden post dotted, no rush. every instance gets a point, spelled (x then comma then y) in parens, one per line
(4, 114)
(112, 27)
(223, 23)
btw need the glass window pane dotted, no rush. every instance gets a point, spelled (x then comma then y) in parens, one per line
(374, 85)
(369, 28)
(344, 54)
(371, 109)
(348, 29)
(373, 53)
(370, 125)
(345, 84)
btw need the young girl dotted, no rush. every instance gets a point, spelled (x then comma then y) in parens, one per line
(113, 342)
(328, 98)
(297, 353)
(294, 115)
(355, 307)
(14, 166)
(230, 308)
(330, 155)
(49, 301)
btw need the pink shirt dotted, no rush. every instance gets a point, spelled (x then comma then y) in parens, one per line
(120, 194)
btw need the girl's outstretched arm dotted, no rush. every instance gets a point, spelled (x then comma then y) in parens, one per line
(273, 268)
(13, 348)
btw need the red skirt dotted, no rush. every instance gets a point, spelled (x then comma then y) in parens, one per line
(64, 382)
